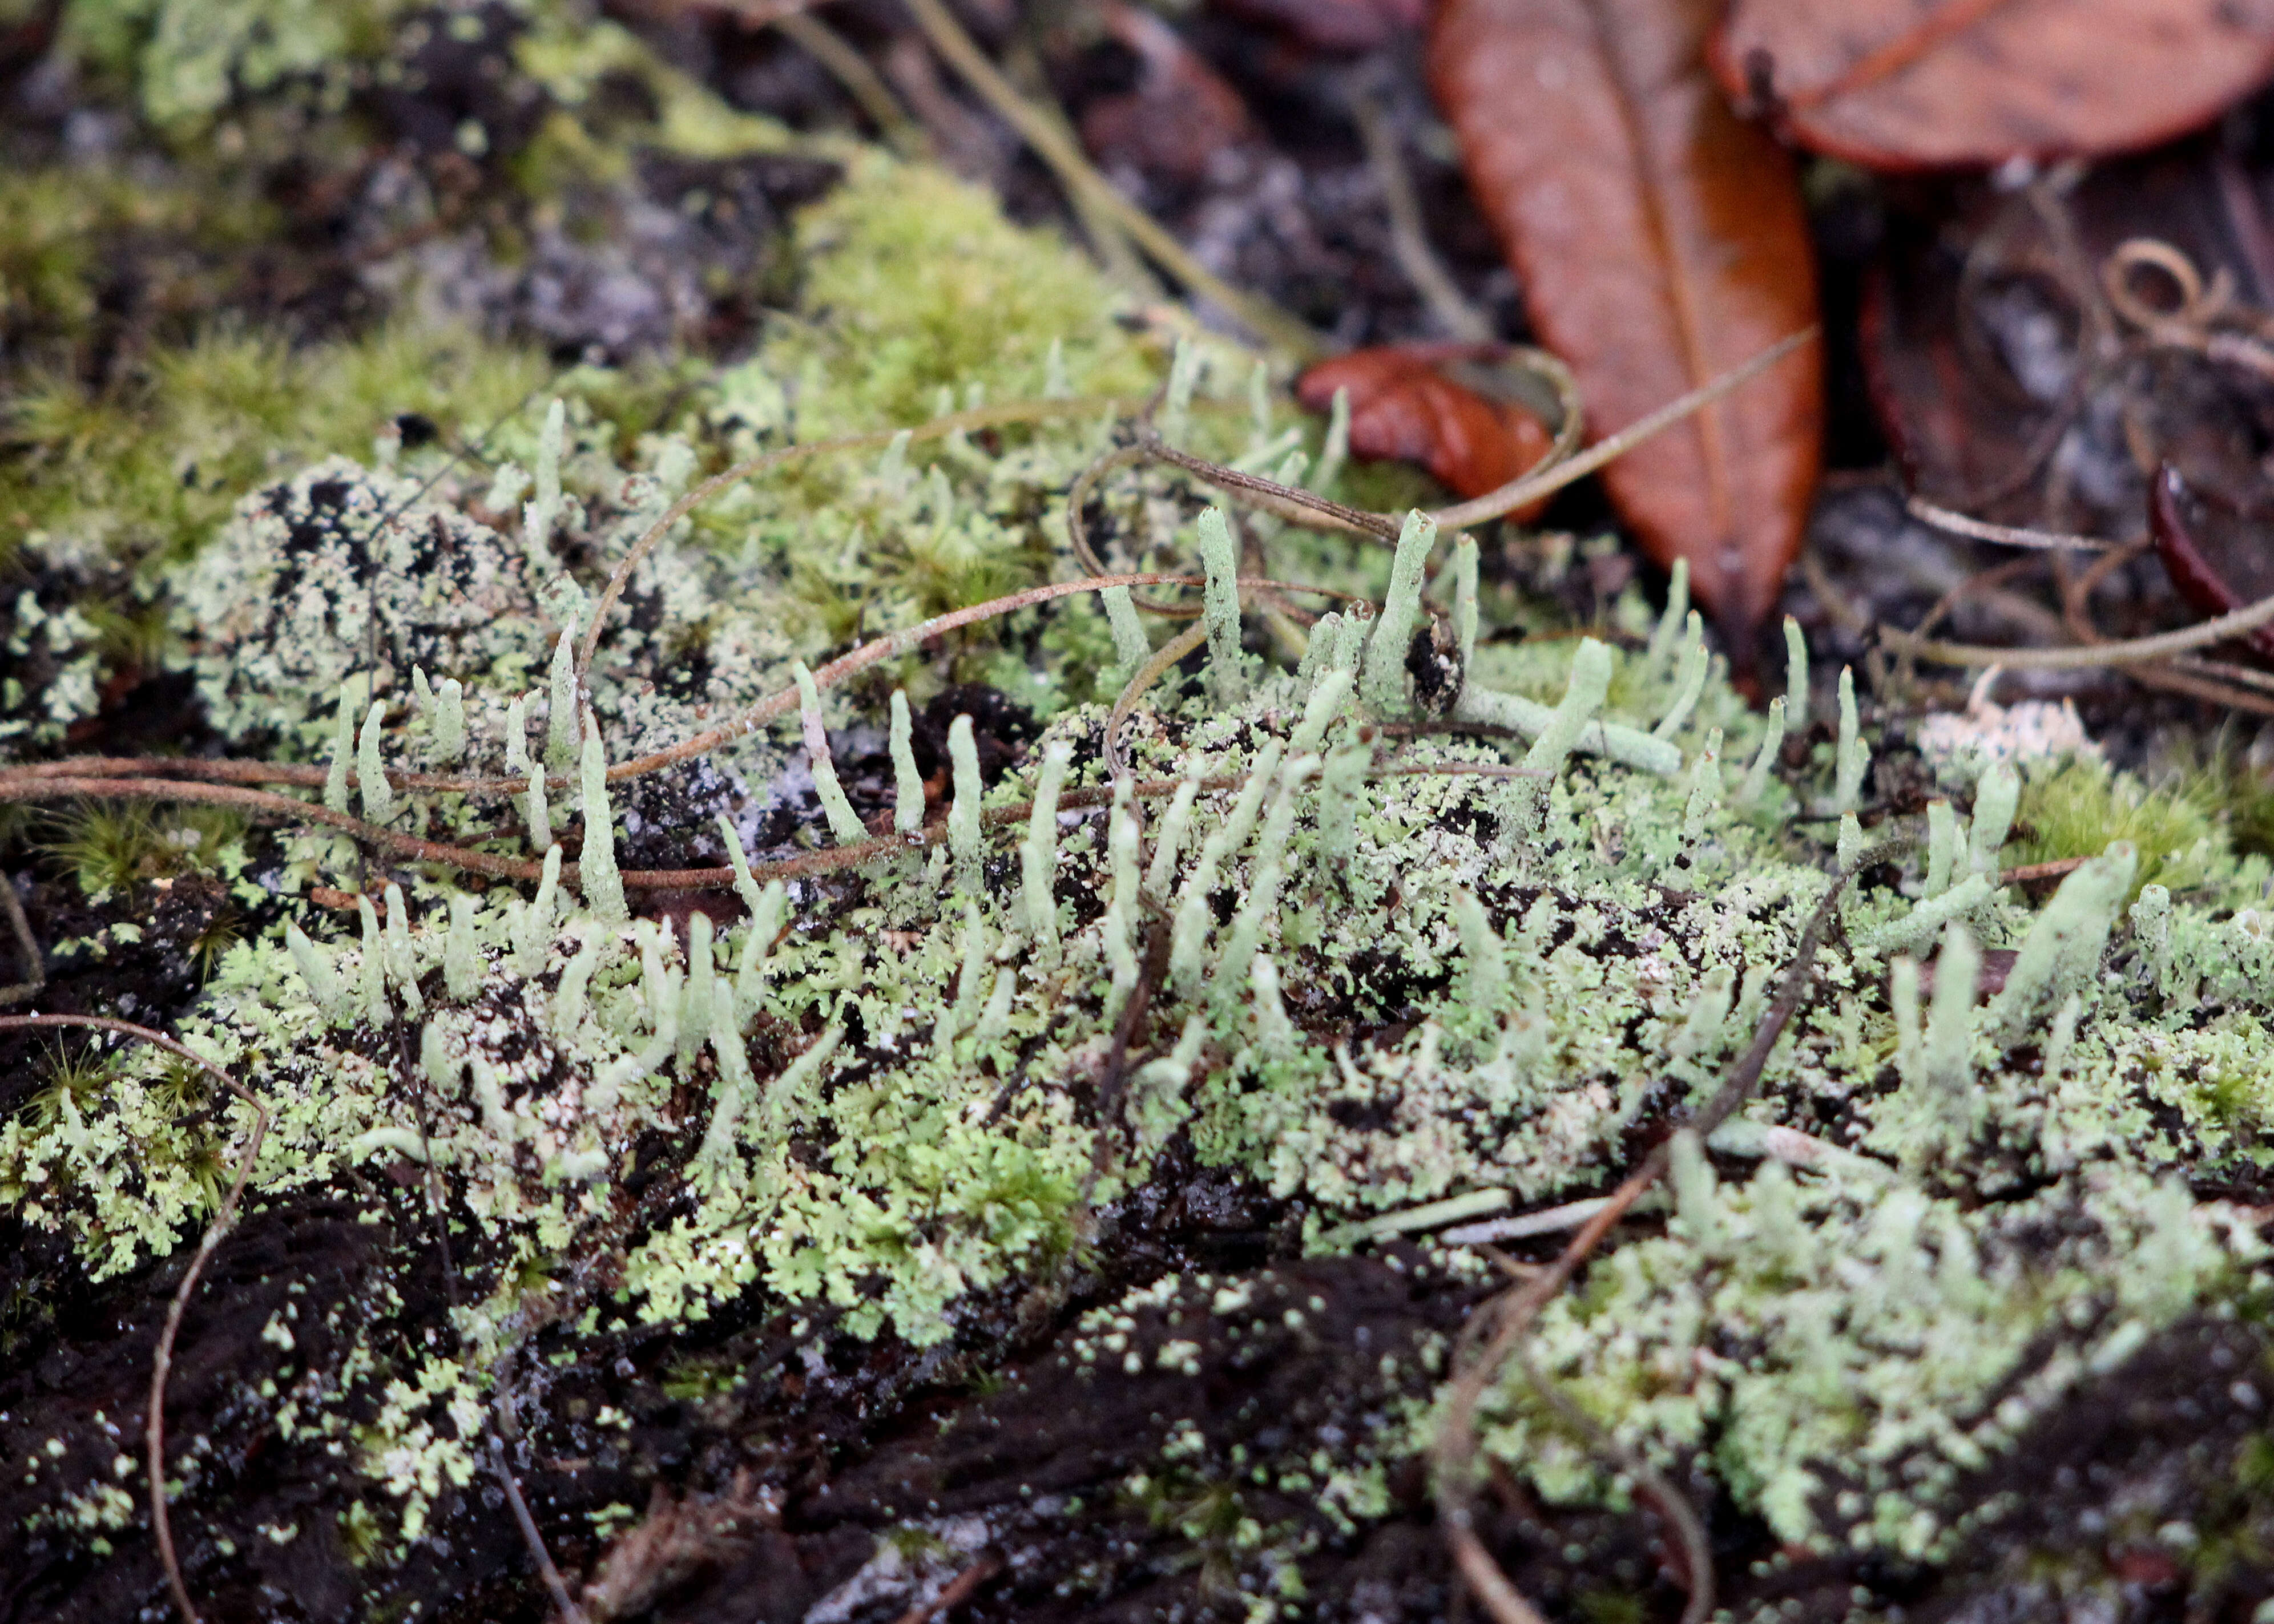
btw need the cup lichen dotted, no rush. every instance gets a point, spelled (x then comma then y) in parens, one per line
(1377, 974)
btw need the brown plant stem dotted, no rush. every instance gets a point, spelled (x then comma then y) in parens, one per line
(2077, 657)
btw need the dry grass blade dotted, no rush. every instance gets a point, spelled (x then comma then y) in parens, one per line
(161, 1363)
(1532, 487)
(851, 70)
(1290, 502)
(1409, 237)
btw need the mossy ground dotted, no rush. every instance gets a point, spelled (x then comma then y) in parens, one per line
(803, 1267)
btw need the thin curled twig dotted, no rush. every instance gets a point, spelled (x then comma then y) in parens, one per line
(56, 781)
(1116, 764)
(2176, 674)
(1509, 1319)
(777, 705)
(161, 1362)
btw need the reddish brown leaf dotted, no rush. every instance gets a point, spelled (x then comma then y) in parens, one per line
(2218, 568)
(1660, 242)
(1912, 84)
(1403, 406)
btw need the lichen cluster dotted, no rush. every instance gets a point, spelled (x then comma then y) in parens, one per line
(1378, 970)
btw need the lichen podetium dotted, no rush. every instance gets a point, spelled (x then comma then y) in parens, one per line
(1396, 975)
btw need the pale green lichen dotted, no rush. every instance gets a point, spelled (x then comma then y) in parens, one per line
(1390, 982)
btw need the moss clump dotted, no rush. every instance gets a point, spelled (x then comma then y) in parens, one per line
(890, 333)
(114, 848)
(148, 468)
(2077, 806)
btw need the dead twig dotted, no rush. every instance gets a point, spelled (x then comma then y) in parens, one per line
(531, 1536)
(2079, 656)
(1529, 489)
(28, 947)
(161, 1362)
(2003, 535)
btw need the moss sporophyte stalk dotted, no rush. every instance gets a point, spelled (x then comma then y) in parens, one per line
(1380, 971)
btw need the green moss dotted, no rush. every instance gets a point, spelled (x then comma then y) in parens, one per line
(889, 331)
(2077, 806)
(114, 847)
(151, 466)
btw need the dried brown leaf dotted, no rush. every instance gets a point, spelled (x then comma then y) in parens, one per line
(1662, 242)
(1903, 84)
(1403, 406)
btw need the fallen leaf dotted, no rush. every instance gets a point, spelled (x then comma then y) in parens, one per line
(1403, 406)
(1660, 242)
(1914, 84)
(2217, 564)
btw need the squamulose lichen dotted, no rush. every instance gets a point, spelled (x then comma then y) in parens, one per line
(1390, 975)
